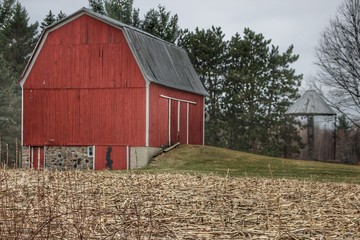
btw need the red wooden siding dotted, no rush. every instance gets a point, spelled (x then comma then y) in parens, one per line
(183, 123)
(159, 125)
(118, 155)
(196, 126)
(37, 157)
(85, 53)
(175, 135)
(159, 122)
(84, 117)
(85, 88)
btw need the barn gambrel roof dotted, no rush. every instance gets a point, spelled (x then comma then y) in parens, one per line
(160, 62)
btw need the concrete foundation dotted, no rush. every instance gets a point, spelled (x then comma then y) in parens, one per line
(141, 156)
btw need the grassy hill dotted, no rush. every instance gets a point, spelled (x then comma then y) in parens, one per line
(205, 159)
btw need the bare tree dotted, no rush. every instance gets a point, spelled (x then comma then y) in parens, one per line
(338, 56)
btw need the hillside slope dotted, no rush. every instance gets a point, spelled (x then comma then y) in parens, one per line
(206, 159)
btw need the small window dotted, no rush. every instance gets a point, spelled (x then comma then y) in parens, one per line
(90, 151)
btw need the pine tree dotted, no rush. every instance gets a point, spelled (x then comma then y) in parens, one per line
(259, 87)
(157, 22)
(60, 16)
(9, 104)
(121, 10)
(51, 19)
(6, 11)
(48, 20)
(160, 23)
(136, 21)
(97, 6)
(18, 39)
(207, 51)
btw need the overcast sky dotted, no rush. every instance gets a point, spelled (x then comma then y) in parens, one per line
(286, 22)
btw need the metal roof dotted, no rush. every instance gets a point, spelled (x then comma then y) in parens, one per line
(160, 62)
(164, 63)
(311, 103)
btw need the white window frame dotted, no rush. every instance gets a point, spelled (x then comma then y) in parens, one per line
(90, 151)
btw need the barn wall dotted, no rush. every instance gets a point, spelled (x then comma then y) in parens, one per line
(175, 133)
(78, 117)
(159, 120)
(85, 88)
(111, 157)
(183, 122)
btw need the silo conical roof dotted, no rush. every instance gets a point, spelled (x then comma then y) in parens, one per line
(311, 103)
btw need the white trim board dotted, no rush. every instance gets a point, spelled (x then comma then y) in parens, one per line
(177, 99)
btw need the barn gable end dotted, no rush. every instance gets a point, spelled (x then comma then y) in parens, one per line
(84, 40)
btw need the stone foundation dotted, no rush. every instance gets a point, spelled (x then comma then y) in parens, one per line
(61, 158)
(68, 158)
(25, 153)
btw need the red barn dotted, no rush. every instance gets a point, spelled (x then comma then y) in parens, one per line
(101, 94)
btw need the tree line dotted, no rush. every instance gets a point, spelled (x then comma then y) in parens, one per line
(250, 83)
(18, 38)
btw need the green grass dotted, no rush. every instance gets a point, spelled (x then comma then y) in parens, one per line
(205, 159)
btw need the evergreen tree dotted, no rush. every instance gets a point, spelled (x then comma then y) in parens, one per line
(97, 6)
(280, 91)
(343, 123)
(18, 39)
(48, 20)
(207, 51)
(136, 21)
(6, 11)
(10, 102)
(121, 10)
(259, 87)
(160, 23)
(60, 16)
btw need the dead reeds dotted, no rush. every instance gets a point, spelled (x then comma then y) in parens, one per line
(114, 205)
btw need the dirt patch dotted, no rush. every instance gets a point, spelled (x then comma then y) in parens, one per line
(99, 205)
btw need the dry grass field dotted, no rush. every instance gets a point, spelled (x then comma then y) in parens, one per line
(134, 205)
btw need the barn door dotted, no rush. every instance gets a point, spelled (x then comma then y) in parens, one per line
(175, 122)
(179, 120)
(37, 158)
